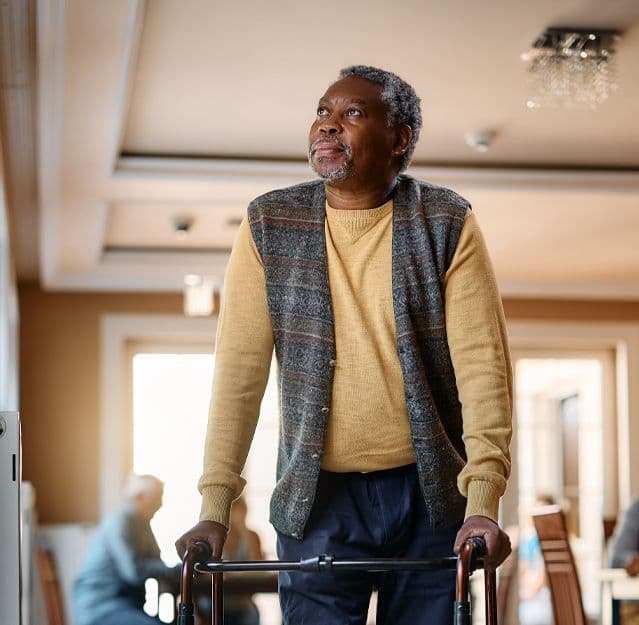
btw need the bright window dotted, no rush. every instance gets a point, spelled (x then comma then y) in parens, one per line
(171, 395)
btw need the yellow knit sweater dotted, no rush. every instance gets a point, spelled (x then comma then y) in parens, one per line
(368, 426)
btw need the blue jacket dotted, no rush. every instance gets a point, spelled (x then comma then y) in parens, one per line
(122, 555)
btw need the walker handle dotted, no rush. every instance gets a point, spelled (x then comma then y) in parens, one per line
(470, 551)
(197, 552)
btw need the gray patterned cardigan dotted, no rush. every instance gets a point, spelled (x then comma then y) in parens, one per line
(288, 228)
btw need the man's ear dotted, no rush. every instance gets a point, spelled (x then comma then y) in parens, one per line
(404, 135)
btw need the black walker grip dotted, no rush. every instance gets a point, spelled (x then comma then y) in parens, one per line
(480, 546)
(185, 615)
(202, 551)
(462, 613)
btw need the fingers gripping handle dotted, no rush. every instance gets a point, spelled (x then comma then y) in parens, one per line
(479, 546)
(196, 552)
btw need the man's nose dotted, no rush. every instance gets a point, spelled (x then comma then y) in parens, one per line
(330, 126)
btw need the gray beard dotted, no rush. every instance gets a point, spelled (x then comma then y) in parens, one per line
(337, 174)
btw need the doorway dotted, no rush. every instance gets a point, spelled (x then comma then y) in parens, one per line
(565, 448)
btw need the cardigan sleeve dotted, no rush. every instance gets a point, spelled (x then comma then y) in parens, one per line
(478, 345)
(243, 352)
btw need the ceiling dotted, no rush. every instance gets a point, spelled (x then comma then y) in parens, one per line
(123, 118)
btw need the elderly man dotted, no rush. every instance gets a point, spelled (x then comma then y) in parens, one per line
(377, 293)
(109, 588)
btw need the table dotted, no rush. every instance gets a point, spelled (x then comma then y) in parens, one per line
(616, 585)
(234, 584)
(241, 583)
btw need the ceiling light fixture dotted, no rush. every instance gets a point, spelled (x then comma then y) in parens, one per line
(480, 140)
(571, 68)
(199, 295)
(234, 222)
(182, 225)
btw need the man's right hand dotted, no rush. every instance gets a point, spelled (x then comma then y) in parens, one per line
(210, 532)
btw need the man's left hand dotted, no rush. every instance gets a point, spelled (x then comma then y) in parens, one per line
(497, 541)
(632, 566)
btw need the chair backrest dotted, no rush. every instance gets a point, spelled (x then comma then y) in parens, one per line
(609, 525)
(50, 586)
(563, 581)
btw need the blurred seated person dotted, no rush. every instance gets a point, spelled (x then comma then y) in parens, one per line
(535, 603)
(109, 588)
(624, 553)
(241, 544)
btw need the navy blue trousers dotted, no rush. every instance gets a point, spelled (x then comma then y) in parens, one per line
(358, 515)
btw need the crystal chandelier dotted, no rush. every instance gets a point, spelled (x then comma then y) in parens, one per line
(571, 68)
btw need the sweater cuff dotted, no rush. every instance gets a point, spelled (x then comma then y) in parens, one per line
(216, 504)
(483, 499)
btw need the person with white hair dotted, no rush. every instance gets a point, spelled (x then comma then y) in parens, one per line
(109, 588)
(624, 553)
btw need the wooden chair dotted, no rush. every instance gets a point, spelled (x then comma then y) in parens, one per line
(561, 571)
(609, 525)
(50, 586)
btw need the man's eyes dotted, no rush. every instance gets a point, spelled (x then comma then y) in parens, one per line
(322, 111)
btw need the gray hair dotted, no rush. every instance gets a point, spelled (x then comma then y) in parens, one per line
(399, 96)
(141, 485)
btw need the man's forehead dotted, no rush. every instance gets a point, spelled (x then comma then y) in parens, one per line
(354, 89)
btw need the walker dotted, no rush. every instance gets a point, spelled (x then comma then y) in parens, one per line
(469, 560)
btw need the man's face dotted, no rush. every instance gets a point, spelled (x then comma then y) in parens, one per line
(350, 138)
(150, 503)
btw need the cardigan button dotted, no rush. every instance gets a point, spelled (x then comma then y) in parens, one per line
(324, 409)
(332, 362)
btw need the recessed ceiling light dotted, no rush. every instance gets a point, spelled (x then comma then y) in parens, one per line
(182, 225)
(199, 295)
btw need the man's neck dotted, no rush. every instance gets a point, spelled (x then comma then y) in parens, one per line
(350, 197)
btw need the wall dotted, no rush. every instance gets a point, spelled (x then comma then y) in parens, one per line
(59, 352)
(8, 310)
(59, 393)
(571, 310)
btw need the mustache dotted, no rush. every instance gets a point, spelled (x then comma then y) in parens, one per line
(336, 142)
